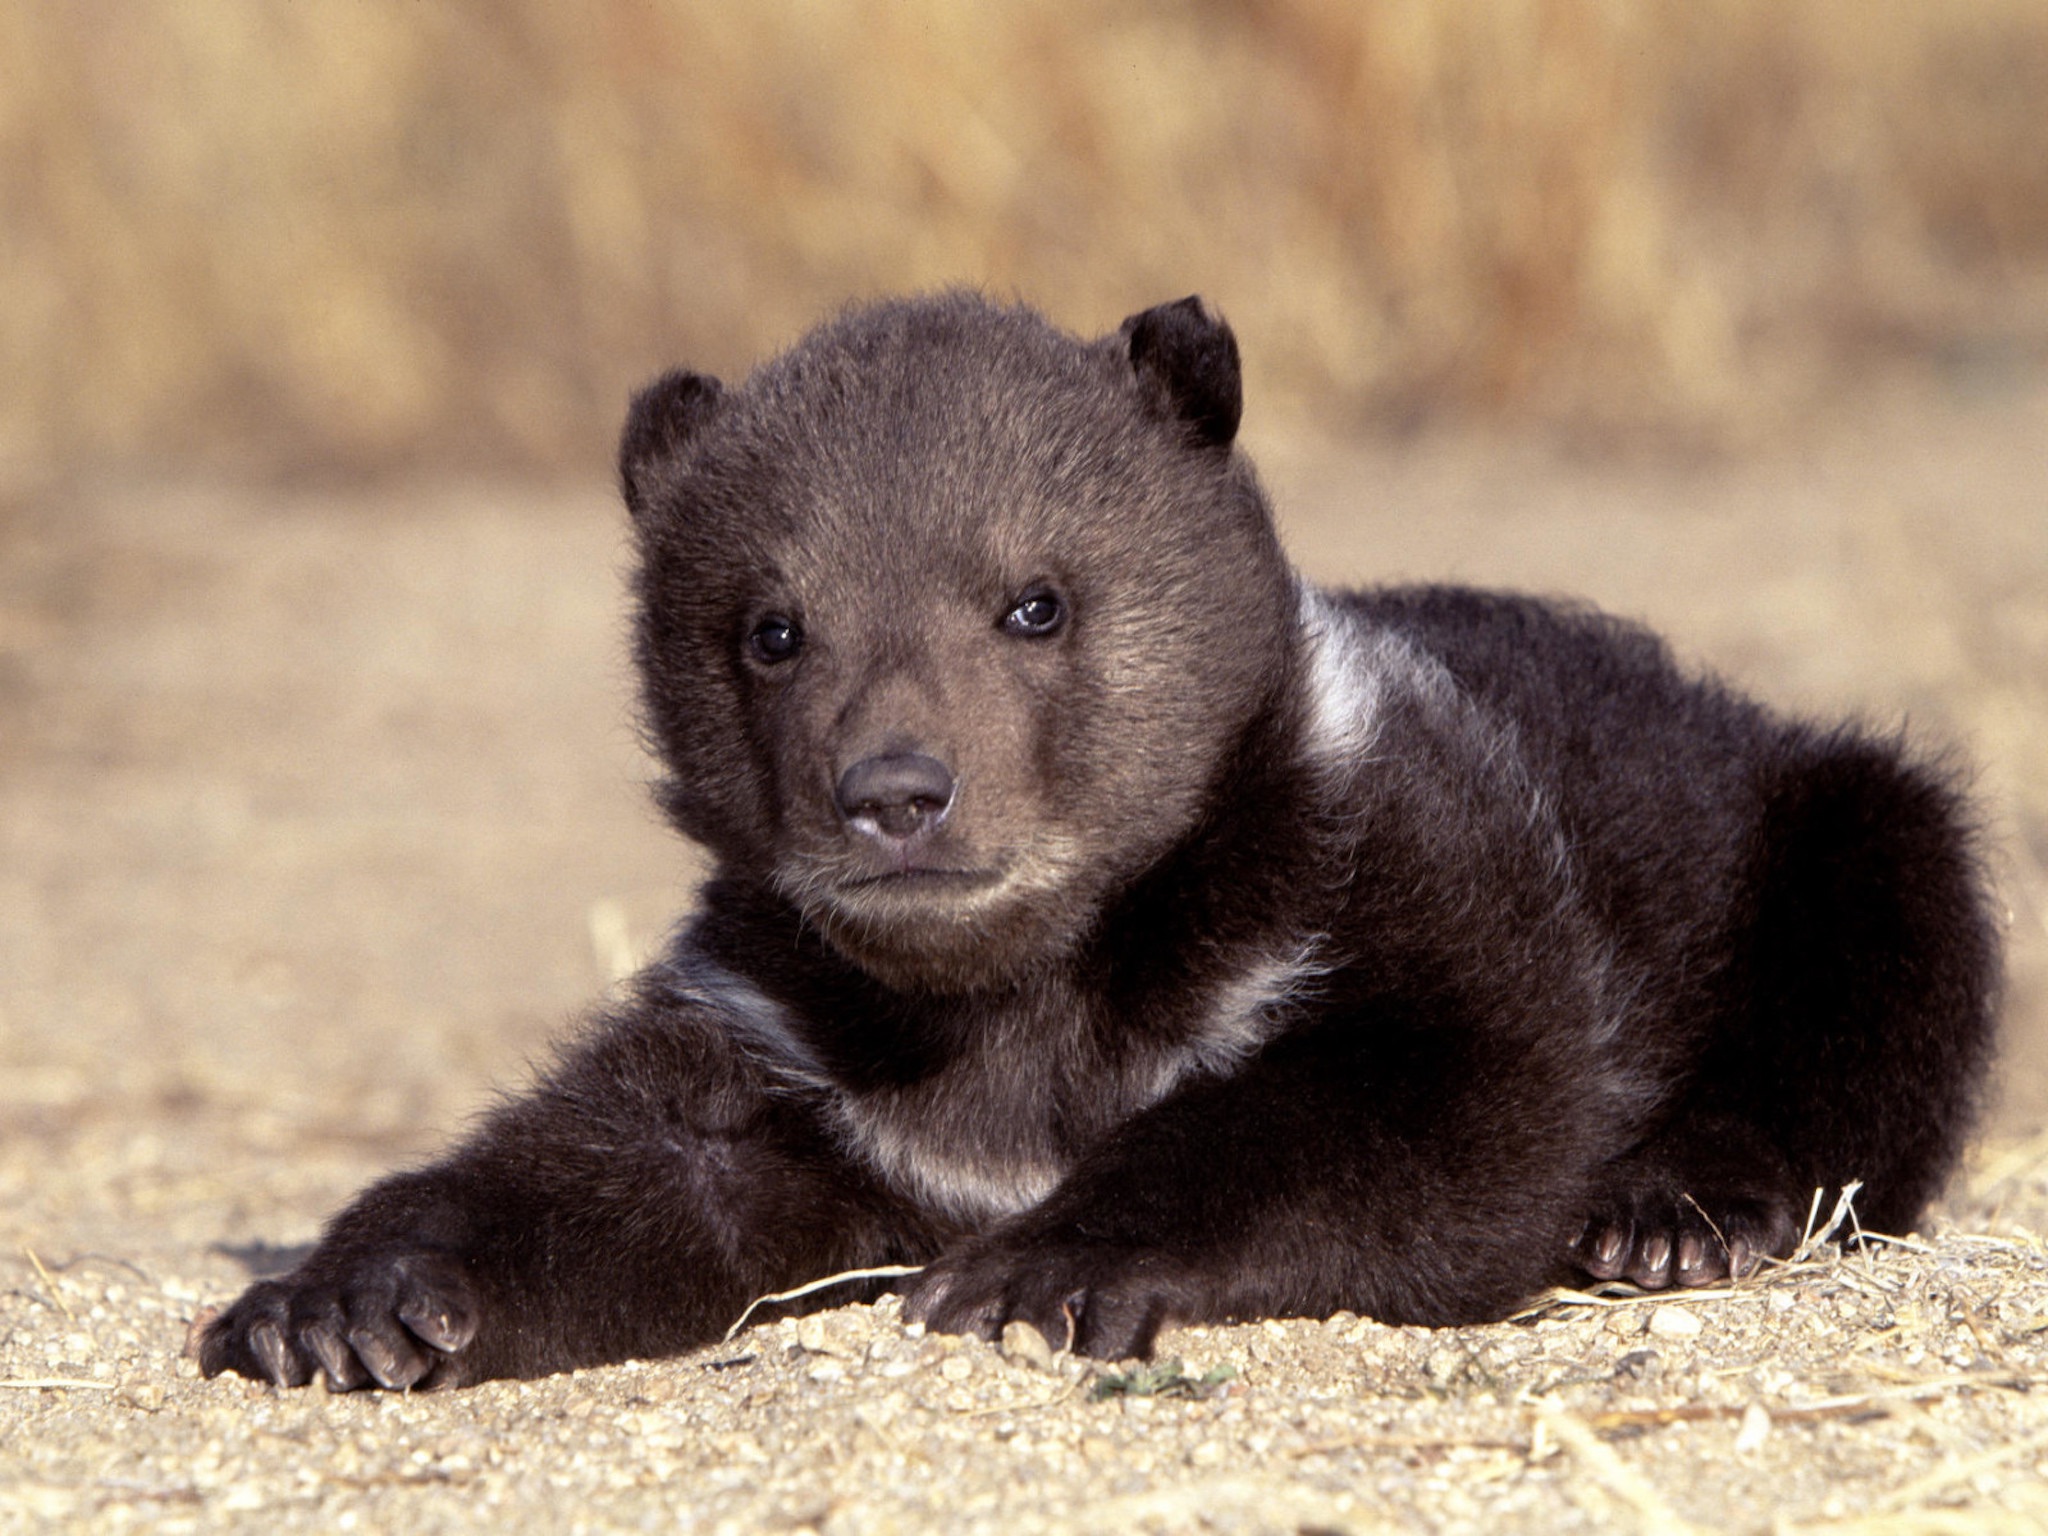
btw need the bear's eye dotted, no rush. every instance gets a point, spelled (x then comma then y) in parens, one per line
(1039, 612)
(775, 639)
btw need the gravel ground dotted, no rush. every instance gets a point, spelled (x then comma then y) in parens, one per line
(319, 813)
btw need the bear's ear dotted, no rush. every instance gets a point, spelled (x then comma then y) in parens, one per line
(1187, 351)
(659, 425)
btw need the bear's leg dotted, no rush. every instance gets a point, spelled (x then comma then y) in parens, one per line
(630, 1206)
(1856, 1050)
(1406, 1165)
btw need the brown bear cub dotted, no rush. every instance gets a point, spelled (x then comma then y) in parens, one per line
(1131, 933)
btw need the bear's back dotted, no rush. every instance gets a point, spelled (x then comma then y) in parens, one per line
(1656, 777)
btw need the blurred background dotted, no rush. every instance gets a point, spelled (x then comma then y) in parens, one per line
(321, 807)
(330, 236)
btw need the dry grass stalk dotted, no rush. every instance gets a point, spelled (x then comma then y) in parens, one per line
(1613, 1474)
(810, 1287)
(49, 1285)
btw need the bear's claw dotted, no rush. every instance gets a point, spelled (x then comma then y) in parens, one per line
(396, 1320)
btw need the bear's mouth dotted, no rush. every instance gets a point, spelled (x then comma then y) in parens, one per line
(945, 925)
(916, 878)
(916, 894)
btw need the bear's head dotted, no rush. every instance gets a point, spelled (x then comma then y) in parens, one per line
(948, 621)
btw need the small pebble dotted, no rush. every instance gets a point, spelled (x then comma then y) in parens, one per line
(829, 1333)
(1024, 1345)
(1756, 1428)
(1638, 1364)
(146, 1395)
(1445, 1364)
(1675, 1323)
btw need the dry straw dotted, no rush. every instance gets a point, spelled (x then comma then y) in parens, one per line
(360, 236)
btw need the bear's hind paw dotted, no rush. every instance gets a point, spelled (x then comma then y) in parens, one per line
(1683, 1242)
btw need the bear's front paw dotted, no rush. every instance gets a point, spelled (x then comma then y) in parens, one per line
(1094, 1299)
(390, 1319)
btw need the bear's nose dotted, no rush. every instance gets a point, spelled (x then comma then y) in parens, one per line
(896, 794)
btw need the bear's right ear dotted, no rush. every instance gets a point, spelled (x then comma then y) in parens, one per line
(659, 425)
(1188, 353)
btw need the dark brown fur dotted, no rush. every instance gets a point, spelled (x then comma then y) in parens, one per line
(1130, 933)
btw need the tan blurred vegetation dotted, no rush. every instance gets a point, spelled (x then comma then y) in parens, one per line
(344, 235)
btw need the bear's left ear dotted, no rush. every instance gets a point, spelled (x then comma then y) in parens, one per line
(659, 425)
(1187, 351)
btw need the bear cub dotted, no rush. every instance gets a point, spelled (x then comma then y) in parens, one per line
(1131, 933)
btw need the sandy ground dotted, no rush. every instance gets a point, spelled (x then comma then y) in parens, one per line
(320, 812)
